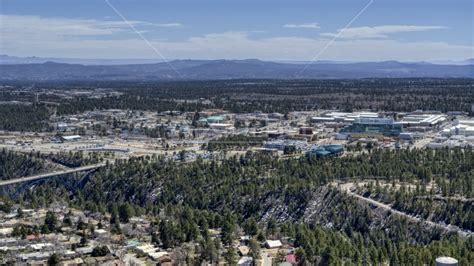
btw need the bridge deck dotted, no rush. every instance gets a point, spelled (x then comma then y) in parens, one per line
(47, 175)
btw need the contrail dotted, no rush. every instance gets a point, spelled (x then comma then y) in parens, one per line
(337, 35)
(142, 37)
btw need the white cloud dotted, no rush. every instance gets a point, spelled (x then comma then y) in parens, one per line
(77, 38)
(168, 25)
(42, 27)
(378, 32)
(239, 45)
(312, 25)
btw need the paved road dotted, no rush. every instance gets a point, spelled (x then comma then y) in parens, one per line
(462, 232)
(47, 175)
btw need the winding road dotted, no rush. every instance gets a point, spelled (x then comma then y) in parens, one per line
(451, 228)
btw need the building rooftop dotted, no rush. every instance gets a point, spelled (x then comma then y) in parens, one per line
(273, 243)
(447, 260)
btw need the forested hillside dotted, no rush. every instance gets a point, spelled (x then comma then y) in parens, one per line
(287, 197)
(248, 184)
(282, 96)
(14, 165)
(402, 95)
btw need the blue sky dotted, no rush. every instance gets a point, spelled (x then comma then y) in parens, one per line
(235, 29)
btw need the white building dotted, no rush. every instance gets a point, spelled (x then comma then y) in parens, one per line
(343, 117)
(71, 138)
(461, 127)
(273, 243)
(424, 120)
(221, 126)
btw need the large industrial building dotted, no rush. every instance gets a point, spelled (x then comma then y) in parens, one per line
(343, 117)
(423, 120)
(460, 135)
(461, 127)
(372, 127)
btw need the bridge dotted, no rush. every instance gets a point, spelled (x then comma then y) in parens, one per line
(51, 174)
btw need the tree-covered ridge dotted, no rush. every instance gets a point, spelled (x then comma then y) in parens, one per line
(403, 95)
(14, 165)
(282, 96)
(249, 184)
(301, 95)
(269, 198)
(322, 246)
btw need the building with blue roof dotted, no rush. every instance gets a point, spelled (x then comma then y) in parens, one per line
(367, 127)
(215, 119)
(326, 150)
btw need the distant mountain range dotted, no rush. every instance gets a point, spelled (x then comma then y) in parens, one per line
(229, 69)
(15, 60)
